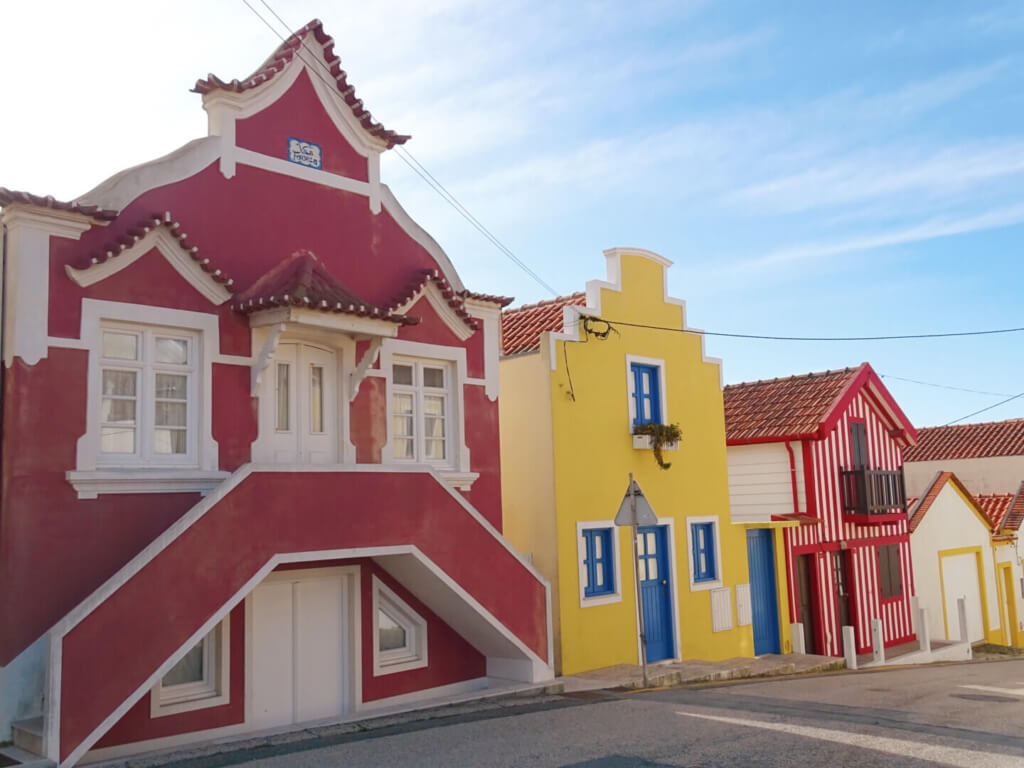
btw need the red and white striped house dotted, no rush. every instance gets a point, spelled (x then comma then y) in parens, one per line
(821, 455)
(250, 449)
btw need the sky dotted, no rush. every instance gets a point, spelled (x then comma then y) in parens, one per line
(812, 169)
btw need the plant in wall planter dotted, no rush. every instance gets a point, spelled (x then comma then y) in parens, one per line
(659, 436)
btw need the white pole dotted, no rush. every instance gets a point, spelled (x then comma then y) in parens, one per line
(636, 581)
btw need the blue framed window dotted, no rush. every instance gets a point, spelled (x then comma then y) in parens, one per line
(646, 393)
(705, 568)
(598, 562)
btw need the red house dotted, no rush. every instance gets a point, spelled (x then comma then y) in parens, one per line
(250, 450)
(821, 456)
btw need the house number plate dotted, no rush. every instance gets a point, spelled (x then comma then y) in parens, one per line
(304, 153)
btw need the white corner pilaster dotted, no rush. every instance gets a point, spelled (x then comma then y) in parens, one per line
(373, 174)
(27, 257)
(222, 115)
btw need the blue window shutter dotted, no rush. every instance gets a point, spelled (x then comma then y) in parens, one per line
(704, 566)
(646, 392)
(596, 539)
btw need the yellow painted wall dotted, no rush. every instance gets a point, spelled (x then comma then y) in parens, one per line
(593, 456)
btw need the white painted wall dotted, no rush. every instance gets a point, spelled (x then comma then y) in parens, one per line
(950, 523)
(22, 683)
(761, 483)
(997, 474)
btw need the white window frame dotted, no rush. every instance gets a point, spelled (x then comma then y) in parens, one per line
(414, 654)
(93, 476)
(630, 388)
(700, 586)
(146, 369)
(419, 391)
(581, 554)
(215, 688)
(456, 473)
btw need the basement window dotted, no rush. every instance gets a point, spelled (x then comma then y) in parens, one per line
(399, 633)
(198, 680)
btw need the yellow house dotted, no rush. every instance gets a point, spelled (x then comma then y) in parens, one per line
(578, 375)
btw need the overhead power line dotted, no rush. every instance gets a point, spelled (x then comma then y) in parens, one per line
(408, 158)
(989, 408)
(944, 386)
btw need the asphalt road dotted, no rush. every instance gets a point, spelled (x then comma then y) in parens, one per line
(921, 716)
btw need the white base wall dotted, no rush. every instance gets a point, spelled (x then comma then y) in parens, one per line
(22, 683)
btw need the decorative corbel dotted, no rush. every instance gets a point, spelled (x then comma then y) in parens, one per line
(266, 356)
(356, 377)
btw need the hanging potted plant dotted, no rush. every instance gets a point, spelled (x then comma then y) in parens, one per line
(659, 436)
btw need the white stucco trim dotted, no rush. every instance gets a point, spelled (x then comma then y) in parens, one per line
(301, 172)
(700, 586)
(170, 248)
(490, 317)
(331, 321)
(581, 553)
(87, 472)
(27, 264)
(456, 358)
(441, 307)
(421, 236)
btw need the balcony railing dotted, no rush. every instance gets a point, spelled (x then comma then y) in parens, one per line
(872, 491)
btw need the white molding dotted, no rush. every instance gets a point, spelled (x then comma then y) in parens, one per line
(414, 626)
(265, 358)
(94, 313)
(581, 553)
(456, 357)
(316, 318)
(490, 317)
(646, 443)
(221, 636)
(27, 263)
(170, 248)
(427, 694)
(421, 236)
(90, 484)
(440, 305)
(301, 172)
(462, 481)
(630, 385)
(700, 586)
(355, 378)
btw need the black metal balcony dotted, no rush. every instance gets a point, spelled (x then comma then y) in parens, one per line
(872, 491)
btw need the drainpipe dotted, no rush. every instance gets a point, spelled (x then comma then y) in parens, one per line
(792, 476)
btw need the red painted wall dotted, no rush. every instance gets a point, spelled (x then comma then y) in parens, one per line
(138, 725)
(115, 648)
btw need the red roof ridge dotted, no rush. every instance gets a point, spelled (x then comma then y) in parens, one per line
(920, 506)
(812, 375)
(302, 280)
(282, 55)
(134, 234)
(11, 196)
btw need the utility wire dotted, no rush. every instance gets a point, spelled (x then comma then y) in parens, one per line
(408, 158)
(989, 408)
(943, 386)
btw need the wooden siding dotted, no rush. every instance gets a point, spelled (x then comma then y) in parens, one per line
(761, 482)
(829, 455)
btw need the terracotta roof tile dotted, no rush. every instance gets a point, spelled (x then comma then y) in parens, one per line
(919, 507)
(284, 54)
(302, 280)
(783, 407)
(501, 301)
(10, 196)
(1015, 515)
(118, 246)
(969, 441)
(994, 506)
(521, 327)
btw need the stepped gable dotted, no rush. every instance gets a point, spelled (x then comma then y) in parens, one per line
(786, 407)
(133, 235)
(303, 281)
(521, 327)
(331, 70)
(969, 441)
(10, 197)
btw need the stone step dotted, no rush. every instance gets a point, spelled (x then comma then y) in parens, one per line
(28, 735)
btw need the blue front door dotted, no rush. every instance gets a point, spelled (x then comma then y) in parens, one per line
(655, 591)
(763, 600)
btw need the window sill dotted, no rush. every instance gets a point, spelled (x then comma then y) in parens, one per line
(646, 443)
(91, 484)
(461, 481)
(613, 597)
(701, 586)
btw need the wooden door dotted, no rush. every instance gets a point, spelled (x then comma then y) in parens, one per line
(804, 573)
(764, 603)
(841, 580)
(655, 591)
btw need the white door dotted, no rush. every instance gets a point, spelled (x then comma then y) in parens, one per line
(960, 579)
(303, 627)
(298, 406)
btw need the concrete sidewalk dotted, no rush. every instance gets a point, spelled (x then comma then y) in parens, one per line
(665, 674)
